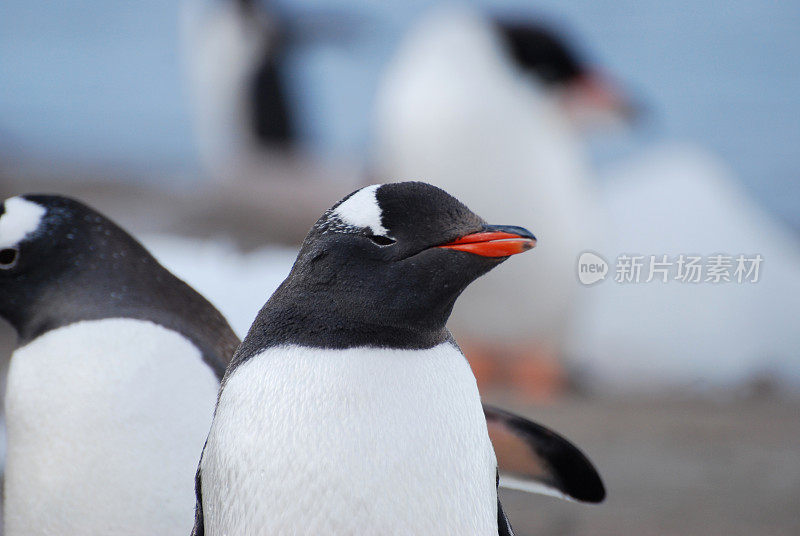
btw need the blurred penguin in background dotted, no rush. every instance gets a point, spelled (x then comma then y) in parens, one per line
(682, 201)
(490, 111)
(246, 105)
(235, 50)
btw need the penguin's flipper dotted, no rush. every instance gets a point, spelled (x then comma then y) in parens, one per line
(199, 527)
(535, 459)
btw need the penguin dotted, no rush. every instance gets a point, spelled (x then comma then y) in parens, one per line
(246, 105)
(112, 387)
(235, 54)
(349, 407)
(482, 108)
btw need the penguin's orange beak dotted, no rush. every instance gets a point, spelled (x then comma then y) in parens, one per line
(594, 93)
(494, 241)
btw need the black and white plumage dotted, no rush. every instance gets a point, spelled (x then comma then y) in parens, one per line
(348, 406)
(113, 385)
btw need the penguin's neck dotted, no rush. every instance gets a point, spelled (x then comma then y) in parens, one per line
(310, 319)
(151, 293)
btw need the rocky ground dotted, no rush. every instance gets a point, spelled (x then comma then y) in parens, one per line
(674, 466)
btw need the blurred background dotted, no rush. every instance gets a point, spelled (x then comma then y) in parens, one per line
(218, 131)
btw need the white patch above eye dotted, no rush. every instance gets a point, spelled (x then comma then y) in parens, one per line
(362, 210)
(20, 218)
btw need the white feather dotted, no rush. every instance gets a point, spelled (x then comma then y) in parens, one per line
(362, 210)
(362, 440)
(21, 217)
(106, 421)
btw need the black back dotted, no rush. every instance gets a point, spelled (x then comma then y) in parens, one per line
(542, 52)
(271, 120)
(78, 265)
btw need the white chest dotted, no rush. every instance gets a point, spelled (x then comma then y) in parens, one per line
(106, 421)
(365, 440)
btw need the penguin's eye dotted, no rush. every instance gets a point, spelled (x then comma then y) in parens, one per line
(381, 240)
(8, 258)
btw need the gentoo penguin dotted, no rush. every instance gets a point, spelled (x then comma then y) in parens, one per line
(483, 110)
(530, 457)
(112, 387)
(349, 407)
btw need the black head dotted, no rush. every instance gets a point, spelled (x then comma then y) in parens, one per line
(588, 94)
(61, 262)
(383, 267)
(542, 53)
